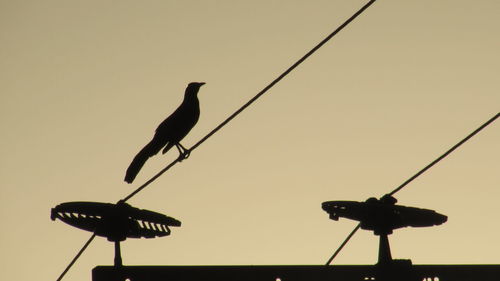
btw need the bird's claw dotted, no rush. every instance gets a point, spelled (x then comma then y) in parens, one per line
(184, 155)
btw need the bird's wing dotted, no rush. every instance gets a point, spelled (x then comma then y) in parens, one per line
(168, 126)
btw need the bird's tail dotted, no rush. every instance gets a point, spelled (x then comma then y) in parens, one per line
(149, 150)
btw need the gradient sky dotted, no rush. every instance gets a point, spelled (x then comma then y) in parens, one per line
(84, 84)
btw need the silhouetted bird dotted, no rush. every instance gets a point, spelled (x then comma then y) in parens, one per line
(170, 132)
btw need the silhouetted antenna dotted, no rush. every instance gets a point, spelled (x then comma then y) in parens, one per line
(232, 116)
(116, 222)
(382, 216)
(416, 175)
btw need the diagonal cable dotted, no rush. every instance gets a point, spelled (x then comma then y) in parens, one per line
(76, 257)
(418, 174)
(343, 244)
(258, 95)
(445, 154)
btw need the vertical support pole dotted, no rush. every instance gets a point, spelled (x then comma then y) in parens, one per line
(384, 250)
(118, 255)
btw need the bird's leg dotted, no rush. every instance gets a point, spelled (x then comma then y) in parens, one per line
(183, 152)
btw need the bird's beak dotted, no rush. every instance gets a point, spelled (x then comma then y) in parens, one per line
(202, 83)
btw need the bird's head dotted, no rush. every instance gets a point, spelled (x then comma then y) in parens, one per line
(193, 88)
(195, 85)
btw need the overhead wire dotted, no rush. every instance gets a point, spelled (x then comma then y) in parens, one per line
(343, 244)
(484, 125)
(445, 154)
(76, 257)
(258, 95)
(232, 116)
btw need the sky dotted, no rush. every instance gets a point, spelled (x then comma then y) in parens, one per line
(85, 83)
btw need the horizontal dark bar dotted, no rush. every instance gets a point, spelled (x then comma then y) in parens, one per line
(406, 272)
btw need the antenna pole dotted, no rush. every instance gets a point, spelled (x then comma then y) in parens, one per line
(384, 250)
(118, 255)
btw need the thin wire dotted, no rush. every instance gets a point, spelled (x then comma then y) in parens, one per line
(285, 73)
(263, 91)
(76, 257)
(343, 244)
(418, 174)
(274, 82)
(445, 154)
(151, 179)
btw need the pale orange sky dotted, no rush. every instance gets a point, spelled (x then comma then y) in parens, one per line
(85, 83)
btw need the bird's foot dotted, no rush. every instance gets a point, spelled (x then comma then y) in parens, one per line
(184, 154)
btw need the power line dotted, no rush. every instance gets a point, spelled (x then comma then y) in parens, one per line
(258, 95)
(231, 117)
(445, 154)
(76, 257)
(415, 176)
(285, 73)
(152, 179)
(343, 244)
